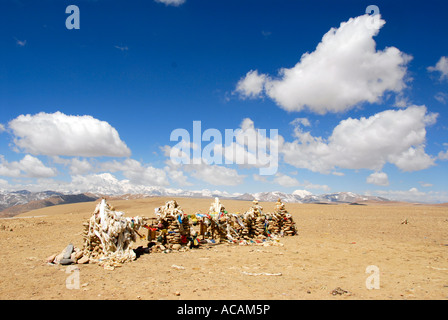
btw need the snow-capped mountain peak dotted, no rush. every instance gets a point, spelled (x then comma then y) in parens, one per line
(302, 193)
(114, 188)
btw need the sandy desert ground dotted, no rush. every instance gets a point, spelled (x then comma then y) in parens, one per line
(335, 245)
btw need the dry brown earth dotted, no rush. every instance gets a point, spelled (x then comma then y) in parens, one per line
(335, 245)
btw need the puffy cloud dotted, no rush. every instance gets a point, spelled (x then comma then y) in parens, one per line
(301, 121)
(174, 3)
(251, 86)
(4, 184)
(344, 70)
(34, 168)
(259, 178)
(285, 181)
(177, 153)
(378, 178)
(100, 183)
(412, 159)
(78, 166)
(215, 174)
(443, 155)
(29, 166)
(252, 148)
(412, 195)
(136, 172)
(175, 173)
(97, 183)
(394, 136)
(58, 134)
(178, 177)
(246, 146)
(103, 183)
(288, 181)
(107, 183)
(309, 185)
(401, 101)
(442, 67)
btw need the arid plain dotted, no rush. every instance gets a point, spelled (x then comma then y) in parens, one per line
(328, 259)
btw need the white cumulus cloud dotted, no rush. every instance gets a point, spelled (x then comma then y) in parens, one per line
(394, 136)
(136, 172)
(442, 67)
(412, 195)
(251, 86)
(29, 167)
(177, 176)
(76, 166)
(80, 166)
(58, 134)
(285, 180)
(344, 70)
(215, 174)
(378, 178)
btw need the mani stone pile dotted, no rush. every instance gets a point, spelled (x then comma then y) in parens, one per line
(176, 230)
(281, 222)
(108, 236)
(253, 221)
(261, 226)
(215, 222)
(246, 227)
(174, 227)
(107, 240)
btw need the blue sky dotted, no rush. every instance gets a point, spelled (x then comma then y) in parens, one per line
(137, 70)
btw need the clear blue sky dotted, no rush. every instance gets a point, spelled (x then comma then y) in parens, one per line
(146, 68)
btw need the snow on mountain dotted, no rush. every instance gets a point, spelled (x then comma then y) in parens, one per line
(302, 193)
(349, 197)
(107, 185)
(275, 195)
(14, 198)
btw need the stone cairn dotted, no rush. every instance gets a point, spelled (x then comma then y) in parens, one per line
(281, 221)
(249, 226)
(174, 226)
(108, 236)
(107, 239)
(254, 221)
(213, 224)
(219, 219)
(92, 243)
(257, 225)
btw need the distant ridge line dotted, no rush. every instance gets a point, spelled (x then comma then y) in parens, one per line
(15, 202)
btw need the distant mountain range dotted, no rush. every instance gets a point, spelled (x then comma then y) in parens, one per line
(303, 196)
(16, 202)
